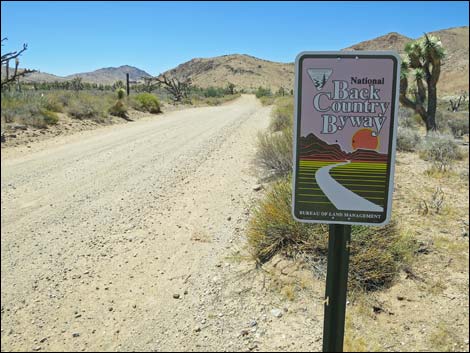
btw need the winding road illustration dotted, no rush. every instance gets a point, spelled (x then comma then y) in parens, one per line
(341, 197)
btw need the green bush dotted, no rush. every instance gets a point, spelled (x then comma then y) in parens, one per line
(282, 114)
(214, 92)
(441, 150)
(274, 152)
(377, 253)
(408, 140)
(50, 118)
(263, 92)
(146, 102)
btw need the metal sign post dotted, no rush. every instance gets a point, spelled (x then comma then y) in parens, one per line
(336, 286)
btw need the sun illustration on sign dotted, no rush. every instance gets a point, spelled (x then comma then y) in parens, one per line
(365, 139)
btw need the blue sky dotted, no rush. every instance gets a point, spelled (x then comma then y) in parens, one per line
(71, 37)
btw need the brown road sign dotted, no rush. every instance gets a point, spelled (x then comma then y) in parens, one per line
(346, 105)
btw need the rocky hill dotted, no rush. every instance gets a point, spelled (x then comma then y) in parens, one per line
(249, 73)
(454, 74)
(242, 70)
(390, 41)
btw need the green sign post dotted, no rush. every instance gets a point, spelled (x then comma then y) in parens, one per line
(344, 156)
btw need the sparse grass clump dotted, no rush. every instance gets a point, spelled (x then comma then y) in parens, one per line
(440, 150)
(406, 118)
(274, 152)
(84, 105)
(213, 101)
(408, 140)
(272, 228)
(459, 125)
(377, 253)
(267, 100)
(455, 123)
(283, 114)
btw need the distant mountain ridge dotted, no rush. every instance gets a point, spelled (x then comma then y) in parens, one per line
(107, 76)
(314, 148)
(248, 72)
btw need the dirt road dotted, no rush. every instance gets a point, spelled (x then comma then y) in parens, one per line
(120, 239)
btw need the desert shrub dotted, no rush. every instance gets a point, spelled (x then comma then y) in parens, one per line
(283, 114)
(118, 109)
(455, 123)
(274, 152)
(86, 106)
(53, 103)
(12, 106)
(263, 92)
(459, 127)
(441, 150)
(267, 100)
(408, 140)
(272, 228)
(28, 108)
(50, 117)
(406, 117)
(377, 253)
(65, 98)
(146, 102)
(214, 92)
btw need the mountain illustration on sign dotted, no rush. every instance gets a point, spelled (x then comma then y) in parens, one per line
(354, 181)
(319, 77)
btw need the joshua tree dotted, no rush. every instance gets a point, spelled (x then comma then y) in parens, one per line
(77, 84)
(281, 91)
(177, 88)
(148, 85)
(15, 77)
(422, 65)
(118, 84)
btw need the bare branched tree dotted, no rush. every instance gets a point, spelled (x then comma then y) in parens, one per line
(7, 79)
(177, 88)
(148, 85)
